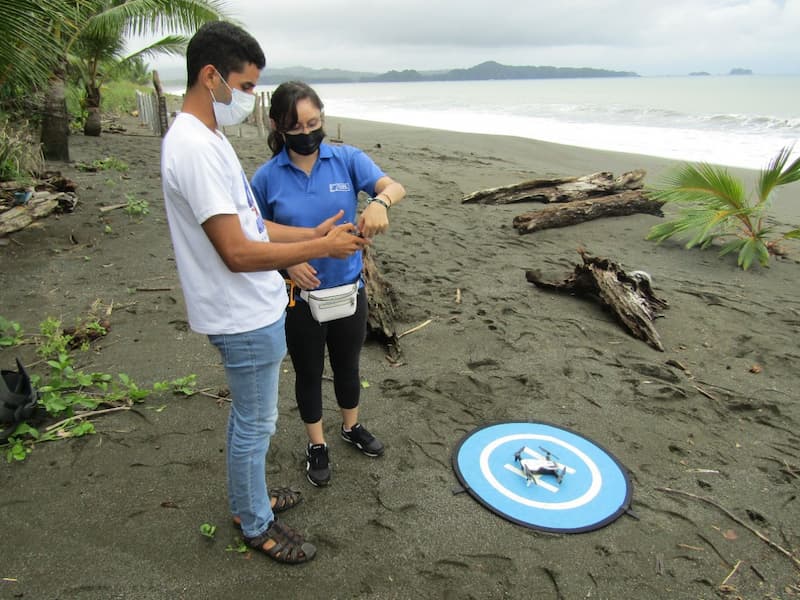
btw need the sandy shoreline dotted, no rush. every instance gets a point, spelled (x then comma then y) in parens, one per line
(116, 515)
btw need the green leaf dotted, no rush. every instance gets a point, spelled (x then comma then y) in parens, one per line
(794, 234)
(751, 250)
(777, 173)
(732, 246)
(25, 429)
(208, 530)
(16, 450)
(82, 428)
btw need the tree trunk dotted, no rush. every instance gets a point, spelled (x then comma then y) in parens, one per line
(562, 215)
(55, 124)
(567, 189)
(628, 295)
(93, 125)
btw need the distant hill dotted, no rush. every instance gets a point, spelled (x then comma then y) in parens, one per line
(699, 74)
(740, 71)
(276, 76)
(485, 71)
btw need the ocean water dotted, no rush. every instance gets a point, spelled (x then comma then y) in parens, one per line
(740, 121)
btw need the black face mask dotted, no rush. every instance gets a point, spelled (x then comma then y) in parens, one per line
(305, 143)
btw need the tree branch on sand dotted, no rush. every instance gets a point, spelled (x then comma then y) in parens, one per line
(565, 189)
(628, 295)
(572, 213)
(575, 199)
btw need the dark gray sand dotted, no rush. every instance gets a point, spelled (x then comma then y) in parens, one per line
(117, 514)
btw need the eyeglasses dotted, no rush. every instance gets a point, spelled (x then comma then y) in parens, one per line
(310, 125)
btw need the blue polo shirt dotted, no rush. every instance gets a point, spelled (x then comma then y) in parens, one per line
(286, 195)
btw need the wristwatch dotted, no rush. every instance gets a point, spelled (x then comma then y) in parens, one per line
(380, 201)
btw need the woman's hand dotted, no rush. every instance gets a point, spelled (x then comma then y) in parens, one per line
(373, 220)
(304, 276)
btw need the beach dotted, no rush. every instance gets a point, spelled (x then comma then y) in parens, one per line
(118, 514)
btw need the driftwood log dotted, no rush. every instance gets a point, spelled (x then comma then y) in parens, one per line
(566, 189)
(381, 301)
(628, 295)
(52, 192)
(562, 215)
(39, 205)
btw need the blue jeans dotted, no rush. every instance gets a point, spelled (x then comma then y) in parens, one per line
(252, 363)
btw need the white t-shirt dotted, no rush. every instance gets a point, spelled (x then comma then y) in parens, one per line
(202, 177)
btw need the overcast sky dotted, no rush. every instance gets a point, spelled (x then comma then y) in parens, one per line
(650, 37)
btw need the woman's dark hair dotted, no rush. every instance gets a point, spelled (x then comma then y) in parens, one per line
(283, 110)
(224, 45)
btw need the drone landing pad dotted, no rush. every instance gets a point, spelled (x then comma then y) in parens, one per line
(595, 488)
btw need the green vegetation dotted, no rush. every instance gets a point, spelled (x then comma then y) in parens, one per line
(68, 395)
(714, 206)
(10, 332)
(208, 530)
(103, 164)
(238, 545)
(119, 96)
(20, 156)
(135, 207)
(47, 46)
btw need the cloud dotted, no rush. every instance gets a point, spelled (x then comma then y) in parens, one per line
(643, 36)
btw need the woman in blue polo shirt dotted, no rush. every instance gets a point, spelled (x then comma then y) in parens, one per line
(303, 184)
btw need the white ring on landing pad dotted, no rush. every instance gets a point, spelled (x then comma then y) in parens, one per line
(594, 490)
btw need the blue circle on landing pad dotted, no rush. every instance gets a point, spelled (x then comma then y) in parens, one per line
(594, 489)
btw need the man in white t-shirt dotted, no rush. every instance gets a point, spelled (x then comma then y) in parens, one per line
(227, 258)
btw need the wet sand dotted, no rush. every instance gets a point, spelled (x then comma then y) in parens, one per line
(117, 514)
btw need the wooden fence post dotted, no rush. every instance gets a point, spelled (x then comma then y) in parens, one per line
(161, 106)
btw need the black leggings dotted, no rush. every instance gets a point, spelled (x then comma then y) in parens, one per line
(306, 340)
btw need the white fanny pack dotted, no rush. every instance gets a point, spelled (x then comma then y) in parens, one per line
(332, 303)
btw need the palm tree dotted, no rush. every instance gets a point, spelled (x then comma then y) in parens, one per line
(102, 27)
(27, 46)
(715, 205)
(30, 46)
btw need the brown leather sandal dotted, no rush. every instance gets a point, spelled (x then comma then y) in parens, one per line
(285, 498)
(290, 546)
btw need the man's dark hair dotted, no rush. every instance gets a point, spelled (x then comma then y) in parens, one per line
(224, 45)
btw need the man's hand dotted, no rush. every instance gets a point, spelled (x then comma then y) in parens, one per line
(323, 228)
(343, 241)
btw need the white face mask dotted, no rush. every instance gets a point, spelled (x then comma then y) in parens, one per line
(238, 110)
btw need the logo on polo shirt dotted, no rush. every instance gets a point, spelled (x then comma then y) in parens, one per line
(339, 187)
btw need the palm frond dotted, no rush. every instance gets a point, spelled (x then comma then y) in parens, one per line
(753, 249)
(705, 184)
(794, 234)
(147, 17)
(700, 225)
(777, 173)
(29, 46)
(170, 45)
(732, 246)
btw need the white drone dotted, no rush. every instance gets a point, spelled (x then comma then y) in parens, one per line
(536, 465)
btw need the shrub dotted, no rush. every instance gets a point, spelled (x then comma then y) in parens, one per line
(20, 153)
(714, 205)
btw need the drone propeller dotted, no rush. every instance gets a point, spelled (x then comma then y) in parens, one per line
(547, 453)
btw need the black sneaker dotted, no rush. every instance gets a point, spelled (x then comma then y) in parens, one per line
(363, 440)
(317, 469)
